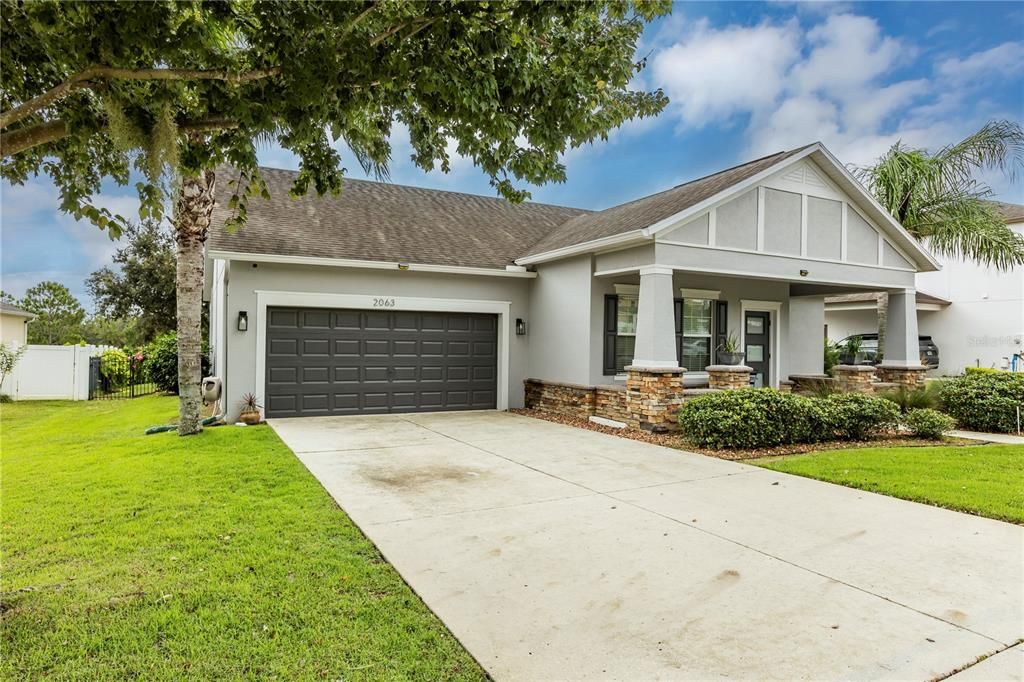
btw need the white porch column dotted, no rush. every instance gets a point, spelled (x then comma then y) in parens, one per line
(901, 345)
(803, 353)
(655, 320)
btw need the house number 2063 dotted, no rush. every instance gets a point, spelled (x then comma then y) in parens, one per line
(383, 303)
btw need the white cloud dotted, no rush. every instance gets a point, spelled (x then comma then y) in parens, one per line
(713, 74)
(1000, 61)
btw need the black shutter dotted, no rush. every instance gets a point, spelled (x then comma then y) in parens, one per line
(721, 328)
(611, 317)
(678, 307)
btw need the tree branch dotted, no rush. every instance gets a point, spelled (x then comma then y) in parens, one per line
(81, 79)
(32, 136)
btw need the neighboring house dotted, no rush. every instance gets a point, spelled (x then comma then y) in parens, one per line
(391, 298)
(974, 313)
(14, 324)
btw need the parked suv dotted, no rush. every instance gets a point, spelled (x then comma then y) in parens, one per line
(868, 352)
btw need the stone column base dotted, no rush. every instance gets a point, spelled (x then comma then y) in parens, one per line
(725, 377)
(911, 377)
(653, 396)
(854, 378)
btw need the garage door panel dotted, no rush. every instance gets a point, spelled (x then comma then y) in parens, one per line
(323, 361)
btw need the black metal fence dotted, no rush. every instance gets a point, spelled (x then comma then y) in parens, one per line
(118, 376)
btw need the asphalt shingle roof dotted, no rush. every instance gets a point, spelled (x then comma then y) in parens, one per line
(15, 310)
(384, 222)
(1013, 213)
(646, 211)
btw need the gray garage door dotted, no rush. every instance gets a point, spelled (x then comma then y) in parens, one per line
(323, 361)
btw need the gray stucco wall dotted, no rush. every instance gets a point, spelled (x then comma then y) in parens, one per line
(805, 336)
(559, 321)
(245, 280)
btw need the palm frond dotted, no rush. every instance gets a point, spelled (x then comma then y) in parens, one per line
(973, 230)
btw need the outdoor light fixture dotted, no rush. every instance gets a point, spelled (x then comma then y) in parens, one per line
(804, 273)
(520, 327)
(243, 321)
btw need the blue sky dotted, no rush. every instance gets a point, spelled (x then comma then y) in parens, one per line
(745, 79)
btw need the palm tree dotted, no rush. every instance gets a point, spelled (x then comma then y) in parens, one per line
(938, 199)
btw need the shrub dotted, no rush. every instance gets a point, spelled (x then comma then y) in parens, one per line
(928, 423)
(855, 416)
(748, 418)
(161, 362)
(908, 399)
(114, 369)
(985, 400)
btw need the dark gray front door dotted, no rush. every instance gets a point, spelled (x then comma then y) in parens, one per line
(322, 361)
(756, 346)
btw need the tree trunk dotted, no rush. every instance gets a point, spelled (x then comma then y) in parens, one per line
(192, 223)
(883, 321)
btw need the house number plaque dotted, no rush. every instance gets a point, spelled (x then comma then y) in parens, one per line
(383, 302)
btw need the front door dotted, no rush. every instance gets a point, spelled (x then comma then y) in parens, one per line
(756, 346)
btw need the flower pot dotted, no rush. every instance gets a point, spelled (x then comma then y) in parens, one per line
(250, 418)
(726, 358)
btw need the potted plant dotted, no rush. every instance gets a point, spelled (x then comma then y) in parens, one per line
(250, 409)
(729, 350)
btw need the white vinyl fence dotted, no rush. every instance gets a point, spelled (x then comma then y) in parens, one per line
(51, 373)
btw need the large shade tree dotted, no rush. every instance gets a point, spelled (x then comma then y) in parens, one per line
(940, 199)
(59, 315)
(175, 89)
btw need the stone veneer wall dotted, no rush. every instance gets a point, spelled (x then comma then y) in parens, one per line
(653, 397)
(576, 400)
(854, 378)
(911, 377)
(610, 402)
(725, 377)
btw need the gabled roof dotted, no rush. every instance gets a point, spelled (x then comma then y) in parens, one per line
(375, 221)
(1012, 213)
(646, 211)
(17, 311)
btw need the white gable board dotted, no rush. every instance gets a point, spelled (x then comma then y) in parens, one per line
(796, 212)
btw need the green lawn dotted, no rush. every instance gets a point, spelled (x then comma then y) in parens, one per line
(983, 479)
(214, 556)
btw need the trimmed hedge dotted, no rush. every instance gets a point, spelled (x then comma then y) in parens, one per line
(114, 368)
(985, 400)
(764, 417)
(928, 423)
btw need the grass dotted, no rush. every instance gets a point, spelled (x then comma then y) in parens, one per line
(213, 556)
(987, 480)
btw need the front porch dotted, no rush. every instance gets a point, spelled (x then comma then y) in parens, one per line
(662, 327)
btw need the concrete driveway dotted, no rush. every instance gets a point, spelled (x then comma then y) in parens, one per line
(558, 553)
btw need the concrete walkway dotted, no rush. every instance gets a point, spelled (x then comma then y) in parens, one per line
(553, 552)
(1004, 438)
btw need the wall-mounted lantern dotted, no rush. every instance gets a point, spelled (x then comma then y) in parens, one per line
(243, 321)
(520, 327)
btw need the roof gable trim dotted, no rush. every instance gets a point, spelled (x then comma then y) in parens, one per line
(510, 271)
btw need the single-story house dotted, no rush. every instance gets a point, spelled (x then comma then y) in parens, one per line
(974, 313)
(392, 299)
(14, 324)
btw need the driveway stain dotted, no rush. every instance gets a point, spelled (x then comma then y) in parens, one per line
(409, 478)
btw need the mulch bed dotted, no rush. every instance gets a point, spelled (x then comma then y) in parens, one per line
(674, 440)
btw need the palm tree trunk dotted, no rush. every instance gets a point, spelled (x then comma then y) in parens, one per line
(192, 223)
(883, 321)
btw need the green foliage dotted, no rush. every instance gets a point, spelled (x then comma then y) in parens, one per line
(764, 417)
(927, 423)
(832, 352)
(730, 344)
(748, 418)
(985, 401)
(982, 370)
(855, 416)
(114, 368)
(59, 315)
(112, 331)
(10, 354)
(163, 87)
(921, 397)
(938, 198)
(161, 362)
(141, 286)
